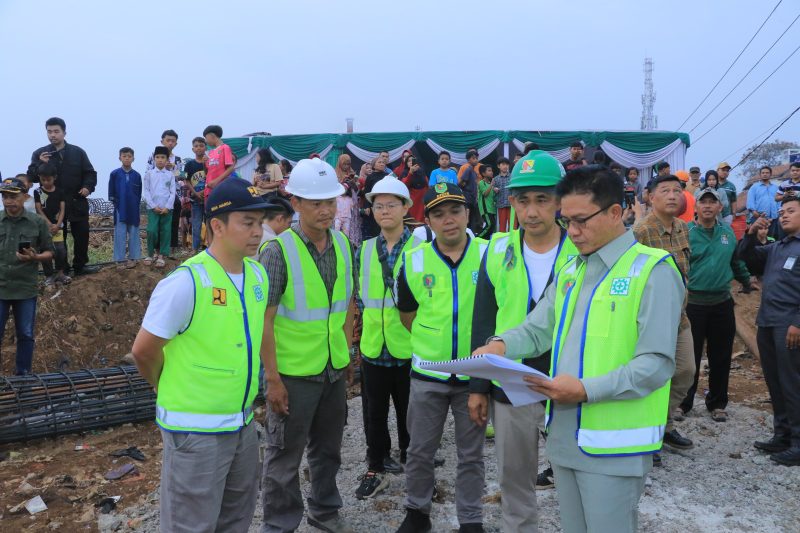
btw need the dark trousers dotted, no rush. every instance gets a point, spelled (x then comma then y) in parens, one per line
(717, 325)
(80, 239)
(383, 383)
(781, 367)
(60, 259)
(475, 220)
(176, 222)
(24, 318)
(488, 220)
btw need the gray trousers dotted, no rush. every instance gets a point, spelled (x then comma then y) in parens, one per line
(208, 482)
(317, 414)
(597, 503)
(683, 378)
(781, 368)
(427, 412)
(516, 441)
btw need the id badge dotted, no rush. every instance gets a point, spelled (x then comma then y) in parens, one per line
(789, 264)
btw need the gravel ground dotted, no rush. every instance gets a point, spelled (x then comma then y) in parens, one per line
(721, 485)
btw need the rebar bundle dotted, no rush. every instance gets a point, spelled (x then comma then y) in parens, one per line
(47, 405)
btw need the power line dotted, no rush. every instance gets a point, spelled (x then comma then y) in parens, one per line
(745, 76)
(751, 152)
(751, 141)
(731, 65)
(748, 96)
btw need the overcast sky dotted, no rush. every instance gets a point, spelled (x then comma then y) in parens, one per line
(121, 75)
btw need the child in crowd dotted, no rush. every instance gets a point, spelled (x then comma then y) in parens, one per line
(50, 203)
(125, 192)
(790, 187)
(158, 190)
(443, 174)
(169, 138)
(219, 162)
(500, 186)
(486, 201)
(30, 205)
(196, 175)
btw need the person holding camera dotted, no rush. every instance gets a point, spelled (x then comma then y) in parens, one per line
(24, 242)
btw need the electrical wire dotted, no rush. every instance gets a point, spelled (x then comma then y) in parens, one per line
(745, 75)
(751, 141)
(751, 152)
(730, 67)
(748, 96)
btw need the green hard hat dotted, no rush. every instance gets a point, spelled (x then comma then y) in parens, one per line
(537, 169)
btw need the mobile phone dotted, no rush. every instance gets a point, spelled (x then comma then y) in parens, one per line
(23, 245)
(630, 198)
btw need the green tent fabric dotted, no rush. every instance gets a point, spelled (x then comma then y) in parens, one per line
(632, 141)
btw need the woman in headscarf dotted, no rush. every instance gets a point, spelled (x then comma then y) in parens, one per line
(417, 183)
(712, 182)
(346, 219)
(402, 169)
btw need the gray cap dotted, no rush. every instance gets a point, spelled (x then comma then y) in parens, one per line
(709, 191)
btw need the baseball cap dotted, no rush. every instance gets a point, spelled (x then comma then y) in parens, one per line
(443, 192)
(276, 203)
(709, 191)
(724, 164)
(13, 185)
(234, 194)
(694, 170)
(653, 183)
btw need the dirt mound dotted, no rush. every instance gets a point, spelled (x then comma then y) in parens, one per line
(90, 323)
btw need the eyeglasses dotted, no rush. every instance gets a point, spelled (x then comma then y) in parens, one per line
(579, 223)
(386, 207)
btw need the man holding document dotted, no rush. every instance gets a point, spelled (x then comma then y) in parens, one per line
(517, 268)
(611, 318)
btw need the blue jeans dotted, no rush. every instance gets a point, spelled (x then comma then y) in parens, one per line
(197, 223)
(126, 236)
(24, 317)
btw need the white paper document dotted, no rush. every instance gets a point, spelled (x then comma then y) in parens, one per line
(490, 366)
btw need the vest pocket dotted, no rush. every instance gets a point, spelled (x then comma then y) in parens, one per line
(212, 370)
(276, 424)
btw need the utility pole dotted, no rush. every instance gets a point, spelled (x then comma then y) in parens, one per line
(649, 119)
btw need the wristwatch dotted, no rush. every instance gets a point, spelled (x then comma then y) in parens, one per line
(495, 338)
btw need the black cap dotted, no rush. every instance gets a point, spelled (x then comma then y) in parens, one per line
(234, 194)
(276, 203)
(161, 150)
(13, 185)
(694, 170)
(653, 183)
(443, 192)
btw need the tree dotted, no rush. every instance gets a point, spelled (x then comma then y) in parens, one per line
(770, 153)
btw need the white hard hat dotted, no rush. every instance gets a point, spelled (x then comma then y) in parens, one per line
(314, 179)
(391, 185)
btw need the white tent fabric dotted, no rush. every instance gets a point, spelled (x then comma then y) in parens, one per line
(367, 156)
(278, 157)
(459, 158)
(246, 165)
(674, 154)
(561, 155)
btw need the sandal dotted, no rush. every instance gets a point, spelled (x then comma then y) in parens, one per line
(148, 261)
(160, 263)
(719, 415)
(130, 263)
(64, 279)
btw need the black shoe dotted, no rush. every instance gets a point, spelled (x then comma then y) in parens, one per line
(545, 480)
(392, 466)
(415, 522)
(87, 270)
(789, 457)
(476, 527)
(656, 459)
(371, 484)
(676, 440)
(773, 445)
(403, 456)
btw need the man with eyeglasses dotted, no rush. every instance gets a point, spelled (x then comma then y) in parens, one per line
(611, 317)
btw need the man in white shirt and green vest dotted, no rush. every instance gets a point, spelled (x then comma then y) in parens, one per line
(611, 318)
(435, 297)
(308, 332)
(199, 347)
(516, 269)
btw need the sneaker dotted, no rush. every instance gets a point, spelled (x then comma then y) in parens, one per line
(50, 281)
(159, 262)
(336, 524)
(371, 484)
(130, 263)
(489, 435)
(773, 445)
(545, 480)
(415, 522)
(391, 466)
(64, 279)
(148, 261)
(719, 415)
(678, 415)
(473, 527)
(789, 457)
(676, 440)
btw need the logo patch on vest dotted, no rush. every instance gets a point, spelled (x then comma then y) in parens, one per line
(220, 296)
(259, 292)
(428, 281)
(474, 277)
(620, 286)
(724, 239)
(510, 259)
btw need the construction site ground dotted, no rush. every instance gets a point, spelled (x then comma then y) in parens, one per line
(722, 484)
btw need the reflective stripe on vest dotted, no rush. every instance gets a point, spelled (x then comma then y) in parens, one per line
(204, 421)
(366, 279)
(619, 438)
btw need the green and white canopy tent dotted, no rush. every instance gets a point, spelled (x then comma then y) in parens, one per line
(640, 149)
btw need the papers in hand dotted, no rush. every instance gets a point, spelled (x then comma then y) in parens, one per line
(490, 366)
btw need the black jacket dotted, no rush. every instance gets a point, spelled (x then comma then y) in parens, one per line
(75, 172)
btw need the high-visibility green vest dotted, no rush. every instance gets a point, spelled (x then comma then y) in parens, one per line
(442, 328)
(381, 319)
(506, 270)
(210, 374)
(309, 327)
(609, 337)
